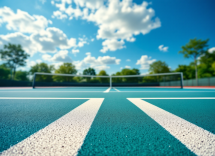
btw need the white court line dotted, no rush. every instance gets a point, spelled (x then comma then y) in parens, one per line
(178, 98)
(166, 91)
(65, 136)
(108, 90)
(40, 98)
(116, 89)
(50, 91)
(196, 139)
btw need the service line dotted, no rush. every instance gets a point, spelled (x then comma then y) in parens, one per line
(65, 136)
(116, 89)
(108, 90)
(198, 140)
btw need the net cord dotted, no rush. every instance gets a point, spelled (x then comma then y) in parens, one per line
(179, 73)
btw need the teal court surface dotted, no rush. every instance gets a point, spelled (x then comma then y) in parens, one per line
(107, 121)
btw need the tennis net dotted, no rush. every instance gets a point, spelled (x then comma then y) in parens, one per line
(69, 80)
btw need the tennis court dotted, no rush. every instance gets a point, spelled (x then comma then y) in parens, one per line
(107, 121)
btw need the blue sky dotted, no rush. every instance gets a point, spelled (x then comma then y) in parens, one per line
(106, 34)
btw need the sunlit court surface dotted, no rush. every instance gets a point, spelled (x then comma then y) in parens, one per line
(107, 121)
(107, 78)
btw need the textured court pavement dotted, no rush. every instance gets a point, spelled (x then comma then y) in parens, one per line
(109, 124)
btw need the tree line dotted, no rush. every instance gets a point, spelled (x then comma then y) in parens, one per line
(203, 65)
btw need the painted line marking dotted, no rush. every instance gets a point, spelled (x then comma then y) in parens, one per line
(167, 91)
(65, 136)
(108, 90)
(116, 89)
(50, 91)
(196, 139)
(178, 98)
(39, 98)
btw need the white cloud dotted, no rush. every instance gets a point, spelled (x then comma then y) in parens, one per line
(46, 57)
(92, 4)
(18, 38)
(29, 64)
(162, 48)
(46, 41)
(97, 63)
(127, 67)
(37, 6)
(146, 73)
(145, 61)
(103, 67)
(128, 60)
(41, 38)
(22, 21)
(75, 51)
(51, 38)
(92, 39)
(42, 1)
(82, 41)
(61, 56)
(114, 18)
(112, 45)
(33, 63)
(211, 50)
(52, 2)
(57, 64)
(59, 15)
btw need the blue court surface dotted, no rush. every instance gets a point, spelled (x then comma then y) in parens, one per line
(107, 121)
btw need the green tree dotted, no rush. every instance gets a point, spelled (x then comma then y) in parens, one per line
(126, 71)
(66, 68)
(205, 68)
(137, 71)
(194, 48)
(213, 67)
(14, 56)
(89, 71)
(187, 70)
(4, 72)
(117, 79)
(158, 67)
(101, 79)
(21, 76)
(42, 68)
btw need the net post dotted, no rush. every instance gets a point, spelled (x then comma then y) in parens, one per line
(33, 83)
(110, 82)
(182, 80)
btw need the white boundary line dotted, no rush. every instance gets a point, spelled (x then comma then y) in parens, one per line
(64, 136)
(167, 91)
(178, 98)
(196, 139)
(108, 90)
(41, 98)
(51, 91)
(116, 89)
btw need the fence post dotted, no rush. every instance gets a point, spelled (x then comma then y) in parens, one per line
(182, 80)
(33, 83)
(110, 82)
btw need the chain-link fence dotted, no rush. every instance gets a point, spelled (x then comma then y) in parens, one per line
(208, 81)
